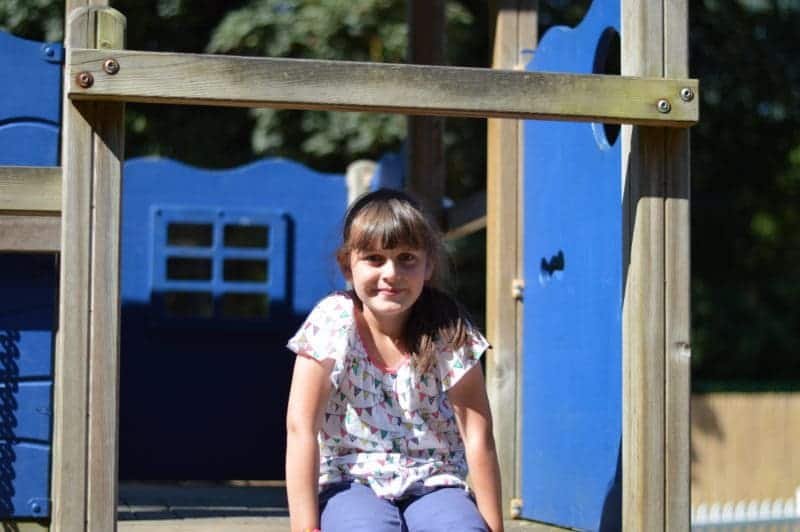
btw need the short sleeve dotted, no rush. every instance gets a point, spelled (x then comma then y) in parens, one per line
(452, 365)
(327, 332)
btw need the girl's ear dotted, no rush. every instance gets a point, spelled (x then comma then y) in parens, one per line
(345, 269)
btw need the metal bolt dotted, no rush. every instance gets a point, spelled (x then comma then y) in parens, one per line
(664, 106)
(687, 94)
(85, 80)
(35, 508)
(111, 66)
(49, 52)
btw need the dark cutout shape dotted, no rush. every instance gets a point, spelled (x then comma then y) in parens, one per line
(246, 236)
(555, 264)
(607, 61)
(188, 269)
(245, 305)
(189, 304)
(190, 234)
(245, 270)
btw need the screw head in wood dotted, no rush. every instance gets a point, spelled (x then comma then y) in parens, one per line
(687, 94)
(111, 66)
(664, 106)
(84, 80)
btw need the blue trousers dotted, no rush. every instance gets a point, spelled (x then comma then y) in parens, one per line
(354, 507)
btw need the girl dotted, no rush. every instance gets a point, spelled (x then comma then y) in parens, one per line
(387, 406)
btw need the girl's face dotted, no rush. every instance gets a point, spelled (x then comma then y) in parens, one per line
(388, 281)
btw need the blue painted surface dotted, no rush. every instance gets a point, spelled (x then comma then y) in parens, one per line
(204, 396)
(30, 100)
(30, 106)
(571, 430)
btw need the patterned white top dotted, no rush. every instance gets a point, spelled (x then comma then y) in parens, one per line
(386, 429)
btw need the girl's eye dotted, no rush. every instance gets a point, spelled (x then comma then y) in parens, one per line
(407, 257)
(374, 259)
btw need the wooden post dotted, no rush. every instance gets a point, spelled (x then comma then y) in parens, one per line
(426, 165)
(677, 286)
(515, 30)
(655, 450)
(84, 480)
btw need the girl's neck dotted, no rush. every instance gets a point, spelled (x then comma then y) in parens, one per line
(391, 328)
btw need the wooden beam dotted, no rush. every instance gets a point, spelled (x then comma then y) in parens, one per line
(109, 142)
(200, 79)
(677, 346)
(84, 480)
(30, 233)
(30, 189)
(427, 172)
(72, 340)
(655, 443)
(515, 30)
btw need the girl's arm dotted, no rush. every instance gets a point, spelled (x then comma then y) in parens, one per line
(308, 395)
(471, 406)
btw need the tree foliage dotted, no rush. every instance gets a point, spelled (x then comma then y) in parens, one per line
(745, 150)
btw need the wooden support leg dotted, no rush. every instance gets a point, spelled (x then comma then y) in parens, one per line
(515, 30)
(84, 476)
(655, 447)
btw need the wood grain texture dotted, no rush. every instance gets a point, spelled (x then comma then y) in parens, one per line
(643, 174)
(72, 340)
(677, 451)
(199, 79)
(427, 172)
(504, 250)
(30, 189)
(108, 139)
(30, 233)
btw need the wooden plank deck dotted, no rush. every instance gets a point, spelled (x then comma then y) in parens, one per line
(206, 508)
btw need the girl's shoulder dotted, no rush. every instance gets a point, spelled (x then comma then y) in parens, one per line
(336, 305)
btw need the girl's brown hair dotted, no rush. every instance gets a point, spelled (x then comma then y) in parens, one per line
(391, 218)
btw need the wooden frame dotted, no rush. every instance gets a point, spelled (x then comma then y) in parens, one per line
(85, 397)
(655, 313)
(655, 174)
(156, 77)
(515, 31)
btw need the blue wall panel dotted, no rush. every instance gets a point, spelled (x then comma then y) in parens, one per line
(29, 130)
(203, 396)
(571, 431)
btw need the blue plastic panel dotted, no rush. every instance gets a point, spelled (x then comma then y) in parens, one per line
(571, 431)
(25, 411)
(30, 101)
(24, 469)
(215, 396)
(30, 109)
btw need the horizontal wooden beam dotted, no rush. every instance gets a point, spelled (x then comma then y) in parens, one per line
(30, 189)
(203, 79)
(30, 233)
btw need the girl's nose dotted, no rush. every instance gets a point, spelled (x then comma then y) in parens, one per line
(389, 270)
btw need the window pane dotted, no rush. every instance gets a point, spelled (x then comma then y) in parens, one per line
(246, 236)
(186, 269)
(245, 270)
(246, 306)
(191, 235)
(189, 304)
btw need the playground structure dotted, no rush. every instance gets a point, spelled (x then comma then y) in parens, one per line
(653, 99)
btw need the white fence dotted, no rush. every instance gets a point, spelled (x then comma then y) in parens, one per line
(778, 514)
